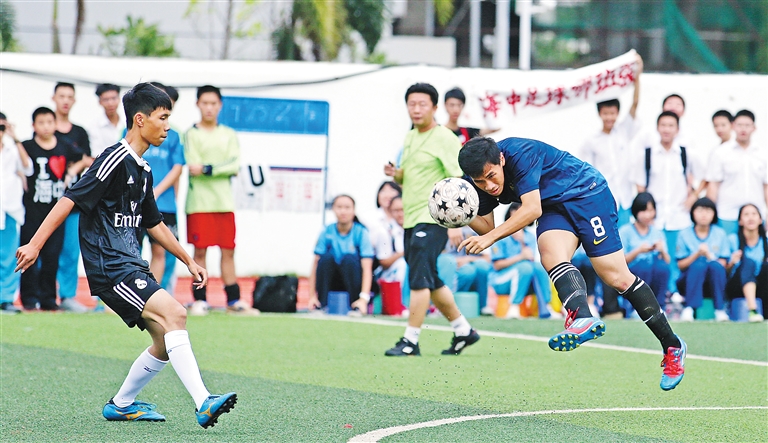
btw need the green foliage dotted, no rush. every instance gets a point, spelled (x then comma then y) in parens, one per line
(444, 11)
(7, 27)
(328, 25)
(367, 18)
(137, 39)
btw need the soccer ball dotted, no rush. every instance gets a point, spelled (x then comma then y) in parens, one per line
(453, 203)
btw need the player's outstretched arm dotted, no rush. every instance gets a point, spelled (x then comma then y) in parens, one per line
(483, 224)
(529, 211)
(27, 254)
(166, 239)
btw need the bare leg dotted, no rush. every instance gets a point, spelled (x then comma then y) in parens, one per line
(445, 303)
(418, 307)
(228, 275)
(157, 265)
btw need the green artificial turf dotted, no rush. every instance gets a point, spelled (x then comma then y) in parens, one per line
(307, 379)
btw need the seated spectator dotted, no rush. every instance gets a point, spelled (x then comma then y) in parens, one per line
(515, 270)
(645, 247)
(466, 272)
(14, 162)
(389, 247)
(702, 251)
(343, 259)
(748, 266)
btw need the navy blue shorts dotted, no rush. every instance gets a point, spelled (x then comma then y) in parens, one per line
(423, 243)
(592, 219)
(126, 297)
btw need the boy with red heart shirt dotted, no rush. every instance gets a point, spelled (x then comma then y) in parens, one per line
(54, 162)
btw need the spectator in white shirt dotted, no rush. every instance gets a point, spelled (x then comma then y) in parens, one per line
(665, 172)
(737, 174)
(108, 127)
(609, 149)
(13, 162)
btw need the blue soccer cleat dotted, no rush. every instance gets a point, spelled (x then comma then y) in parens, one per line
(674, 366)
(213, 407)
(577, 331)
(136, 411)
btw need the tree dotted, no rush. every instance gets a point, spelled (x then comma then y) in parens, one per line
(328, 26)
(7, 27)
(55, 28)
(79, 20)
(137, 39)
(236, 20)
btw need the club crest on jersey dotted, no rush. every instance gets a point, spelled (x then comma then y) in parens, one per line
(133, 206)
(130, 180)
(141, 284)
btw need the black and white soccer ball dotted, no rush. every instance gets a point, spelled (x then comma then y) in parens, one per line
(454, 203)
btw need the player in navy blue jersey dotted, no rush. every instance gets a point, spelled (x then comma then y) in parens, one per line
(115, 198)
(573, 205)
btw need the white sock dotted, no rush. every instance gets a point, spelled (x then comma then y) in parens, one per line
(461, 326)
(142, 371)
(183, 360)
(412, 334)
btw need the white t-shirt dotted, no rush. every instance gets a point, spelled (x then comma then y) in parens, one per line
(103, 134)
(667, 183)
(11, 183)
(741, 172)
(610, 154)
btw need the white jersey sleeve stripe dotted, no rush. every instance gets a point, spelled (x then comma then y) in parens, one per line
(111, 162)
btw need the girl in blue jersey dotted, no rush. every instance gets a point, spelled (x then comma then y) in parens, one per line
(645, 246)
(702, 253)
(514, 269)
(573, 205)
(343, 259)
(748, 266)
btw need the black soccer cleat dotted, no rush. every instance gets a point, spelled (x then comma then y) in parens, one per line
(404, 348)
(459, 342)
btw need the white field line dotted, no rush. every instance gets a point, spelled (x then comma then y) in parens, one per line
(592, 344)
(376, 435)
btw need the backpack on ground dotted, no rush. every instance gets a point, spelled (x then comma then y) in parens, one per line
(276, 293)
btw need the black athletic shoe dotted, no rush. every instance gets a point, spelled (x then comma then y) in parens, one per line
(403, 348)
(461, 341)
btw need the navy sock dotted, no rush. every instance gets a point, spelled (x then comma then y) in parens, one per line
(644, 301)
(571, 288)
(199, 293)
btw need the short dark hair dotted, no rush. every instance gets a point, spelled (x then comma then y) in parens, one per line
(664, 102)
(745, 113)
(42, 110)
(723, 113)
(63, 85)
(640, 203)
(704, 202)
(144, 98)
(424, 88)
(456, 93)
(106, 87)
(208, 88)
(609, 103)
(668, 114)
(3, 117)
(390, 184)
(476, 153)
(170, 90)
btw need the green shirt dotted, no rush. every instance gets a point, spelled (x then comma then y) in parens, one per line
(220, 149)
(428, 157)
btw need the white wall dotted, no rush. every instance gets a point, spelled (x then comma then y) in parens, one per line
(368, 119)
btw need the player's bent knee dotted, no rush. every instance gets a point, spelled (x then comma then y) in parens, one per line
(165, 310)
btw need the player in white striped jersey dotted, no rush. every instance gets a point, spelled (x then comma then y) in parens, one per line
(116, 199)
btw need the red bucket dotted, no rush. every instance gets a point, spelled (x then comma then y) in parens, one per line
(391, 298)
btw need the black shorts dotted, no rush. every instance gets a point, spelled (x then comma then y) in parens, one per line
(423, 243)
(126, 297)
(170, 220)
